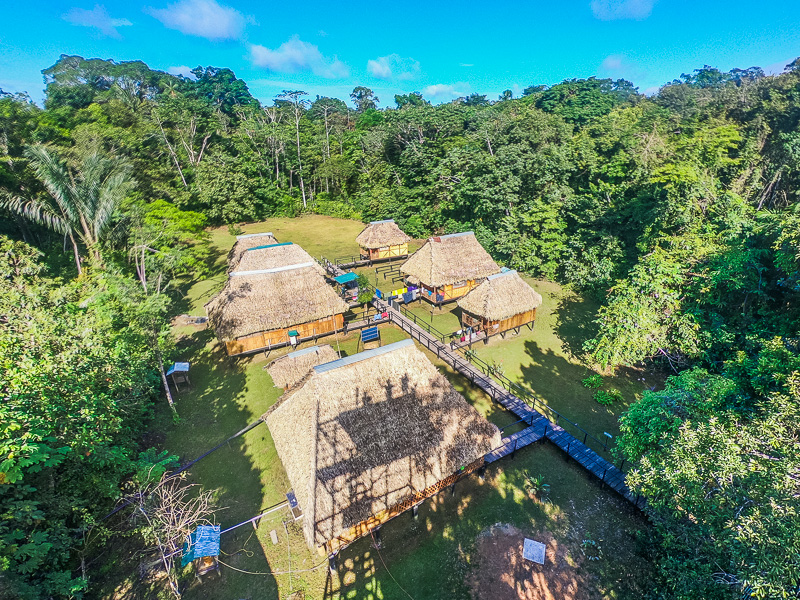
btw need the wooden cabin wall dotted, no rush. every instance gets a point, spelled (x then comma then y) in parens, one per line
(448, 291)
(380, 518)
(494, 327)
(265, 339)
(386, 252)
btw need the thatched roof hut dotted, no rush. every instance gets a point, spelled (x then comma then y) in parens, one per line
(367, 433)
(449, 259)
(381, 234)
(247, 241)
(253, 302)
(501, 297)
(272, 256)
(288, 370)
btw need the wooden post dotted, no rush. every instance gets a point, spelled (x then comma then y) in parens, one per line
(415, 511)
(453, 489)
(377, 535)
(332, 562)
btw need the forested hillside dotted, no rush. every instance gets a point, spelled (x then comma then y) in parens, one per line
(678, 211)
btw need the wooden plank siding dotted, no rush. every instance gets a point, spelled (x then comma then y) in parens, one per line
(365, 527)
(450, 291)
(385, 252)
(265, 339)
(495, 327)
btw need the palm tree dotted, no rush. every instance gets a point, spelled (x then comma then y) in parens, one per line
(80, 203)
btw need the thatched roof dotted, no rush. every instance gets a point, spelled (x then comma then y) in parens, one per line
(380, 234)
(272, 299)
(287, 370)
(271, 256)
(245, 242)
(501, 296)
(367, 431)
(447, 259)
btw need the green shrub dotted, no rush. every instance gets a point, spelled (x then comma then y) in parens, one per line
(593, 381)
(607, 398)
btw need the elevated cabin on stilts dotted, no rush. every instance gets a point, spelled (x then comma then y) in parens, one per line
(261, 309)
(503, 302)
(245, 242)
(448, 266)
(287, 371)
(369, 436)
(382, 240)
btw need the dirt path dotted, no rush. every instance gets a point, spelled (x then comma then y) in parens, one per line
(502, 574)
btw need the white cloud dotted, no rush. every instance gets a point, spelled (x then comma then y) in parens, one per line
(203, 18)
(447, 91)
(181, 70)
(611, 10)
(393, 66)
(618, 65)
(296, 55)
(98, 18)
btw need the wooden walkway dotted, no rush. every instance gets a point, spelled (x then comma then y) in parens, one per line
(540, 426)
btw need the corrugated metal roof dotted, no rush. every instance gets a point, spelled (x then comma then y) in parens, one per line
(349, 360)
(452, 235)
(501, 273)
(379, 222)
(275, 270)
(251, 235)
(269, 246)
(346, 278)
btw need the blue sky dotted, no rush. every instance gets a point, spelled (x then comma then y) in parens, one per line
(443, 49)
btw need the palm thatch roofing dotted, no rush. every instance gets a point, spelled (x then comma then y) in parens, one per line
(245, 242)
(380, 234)
(501, 297)
(256, 301)
(288, 370)
(448, 259)
(366, 432)
(272, 256)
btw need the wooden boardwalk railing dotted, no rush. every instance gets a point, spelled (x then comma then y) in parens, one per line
(540, 427)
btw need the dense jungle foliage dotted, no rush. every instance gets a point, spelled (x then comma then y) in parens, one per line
(679, 211)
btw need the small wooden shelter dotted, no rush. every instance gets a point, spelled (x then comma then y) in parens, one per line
(371, 435)
(245, 242)
(448, 266)
(273, 307)
(502, 302)
(287, 371)
(382, 240)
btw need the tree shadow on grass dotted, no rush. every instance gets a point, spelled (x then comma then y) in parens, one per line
(575, 324)
(557, 382)
(215, 408)
(437, 555)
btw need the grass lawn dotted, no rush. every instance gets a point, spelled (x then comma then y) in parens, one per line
(445, 552)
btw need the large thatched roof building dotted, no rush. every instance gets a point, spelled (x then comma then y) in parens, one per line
(245, 242)
(368, 436)
(382, 240)
(287, 371)
(262, 309)
(502, 302)
(449, 266)
(272, 256)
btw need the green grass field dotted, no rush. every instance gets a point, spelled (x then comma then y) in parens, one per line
(439, 554)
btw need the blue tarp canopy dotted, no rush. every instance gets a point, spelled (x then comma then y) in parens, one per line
(204, 541)
(182, 367)
(346, 278)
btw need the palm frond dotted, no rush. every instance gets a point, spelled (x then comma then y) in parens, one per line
(37, 211)
(56, 179)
